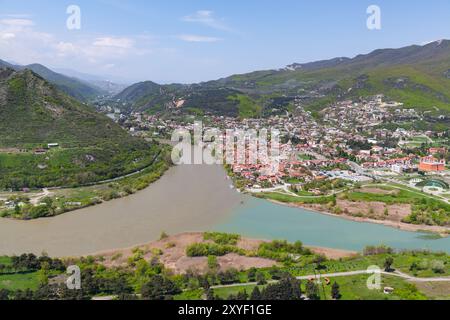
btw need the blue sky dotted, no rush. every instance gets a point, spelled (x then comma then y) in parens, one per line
(198, 40)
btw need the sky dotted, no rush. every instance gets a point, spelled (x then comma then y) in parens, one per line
(187, 41)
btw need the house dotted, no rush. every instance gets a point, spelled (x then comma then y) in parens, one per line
(437, 151)
(53, 145)
(431, 164)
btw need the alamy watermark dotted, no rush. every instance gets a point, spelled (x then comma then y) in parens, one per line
(73, 22)
(374, 19)
(74, 280)
(374, 281)
(234, 147)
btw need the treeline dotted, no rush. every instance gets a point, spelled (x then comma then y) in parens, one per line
(287, 289)
(30, 263)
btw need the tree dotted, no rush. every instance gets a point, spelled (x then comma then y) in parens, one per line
(163, 236)
(438, 266)
(261, 279)
(210, 295)
(213, 264)
(242, 296)
(43, 274)
(229, 276)
(159, 288)
(312, 291)
(251, 274)
(4, 294)
(256, 295)
(286, 290)
(388, 264)
(335, 291)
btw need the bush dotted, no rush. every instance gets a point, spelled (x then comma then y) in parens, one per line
(222, 238)
(281, 250)
(438, 266)
(374, 250)
(211, 249)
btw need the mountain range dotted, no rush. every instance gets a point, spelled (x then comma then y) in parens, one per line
(418, 76)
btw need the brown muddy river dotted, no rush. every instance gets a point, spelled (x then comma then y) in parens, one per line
(187, 198)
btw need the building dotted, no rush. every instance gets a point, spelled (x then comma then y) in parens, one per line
(431, 164)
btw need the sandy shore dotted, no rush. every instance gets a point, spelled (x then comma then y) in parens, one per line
(173, 254)
(442, 231)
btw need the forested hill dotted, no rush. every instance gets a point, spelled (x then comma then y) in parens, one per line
(90, 147)
(78, 89)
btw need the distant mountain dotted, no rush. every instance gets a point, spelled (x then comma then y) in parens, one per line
(4, 64)
(139, 91)
(74, 87)
(79, 75)
(418, 76)
(105, 83)
(34, 113)
(109, 87)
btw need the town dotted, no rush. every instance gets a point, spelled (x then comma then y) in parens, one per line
(354, 146)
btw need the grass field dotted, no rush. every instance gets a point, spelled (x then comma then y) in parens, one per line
(190, 295)
(286, 198)
(6, 261)
(355, 288)
(19, 281)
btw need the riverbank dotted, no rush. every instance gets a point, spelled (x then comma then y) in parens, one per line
(437, 230)
(57, 201)
(186, 198)
(171, 251)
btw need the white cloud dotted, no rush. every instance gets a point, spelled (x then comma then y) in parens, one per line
(7, 35)
(124, 43)
(17, 22)
(16, 15)
(22, 42)
(197, 38)
(65, 48)
(206, 17)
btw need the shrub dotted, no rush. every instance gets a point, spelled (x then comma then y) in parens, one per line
(438, 266)
(211, 249)
(222, 238)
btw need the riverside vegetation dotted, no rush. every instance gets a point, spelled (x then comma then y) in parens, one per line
(31, 277)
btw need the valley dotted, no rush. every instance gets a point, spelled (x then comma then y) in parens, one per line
(361, 177)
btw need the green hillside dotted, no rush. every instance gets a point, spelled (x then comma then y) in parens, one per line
(75, 88)
(418, 76)
(34, 113)
(78, 89)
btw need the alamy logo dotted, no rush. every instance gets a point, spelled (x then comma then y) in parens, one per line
(74, 19)
(374, 281)
(374, 19)
(74, 280)
(233, 147)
